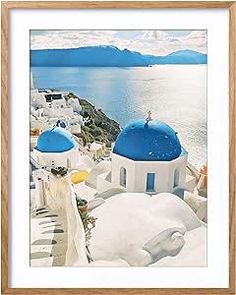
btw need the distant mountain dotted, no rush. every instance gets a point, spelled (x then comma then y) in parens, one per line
(110, 56)
(87, 56)
(179, 57)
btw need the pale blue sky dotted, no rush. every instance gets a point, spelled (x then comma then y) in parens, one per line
(147, 42)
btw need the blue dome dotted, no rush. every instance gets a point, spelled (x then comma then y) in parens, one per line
(148, 141)
(55, 140)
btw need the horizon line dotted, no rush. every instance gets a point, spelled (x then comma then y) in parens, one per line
(66, 48)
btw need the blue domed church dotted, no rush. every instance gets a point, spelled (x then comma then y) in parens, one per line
(56, 147)
(148, 157)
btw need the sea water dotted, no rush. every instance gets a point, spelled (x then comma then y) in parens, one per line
(175, 94)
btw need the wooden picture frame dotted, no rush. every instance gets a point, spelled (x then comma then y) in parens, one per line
(6, 7)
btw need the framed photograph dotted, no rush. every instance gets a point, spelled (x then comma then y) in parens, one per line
(118, 147)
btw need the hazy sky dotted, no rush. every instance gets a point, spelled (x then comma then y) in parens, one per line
(147, 42)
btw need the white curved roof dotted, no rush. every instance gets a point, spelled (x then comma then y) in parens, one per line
(128, 221)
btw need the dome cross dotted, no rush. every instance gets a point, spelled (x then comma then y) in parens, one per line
(149, 117)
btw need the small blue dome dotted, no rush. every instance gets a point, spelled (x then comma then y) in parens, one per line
(148, 141)
(55, 140)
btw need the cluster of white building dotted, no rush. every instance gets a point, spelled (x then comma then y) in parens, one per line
(147, 159)
(48, 107)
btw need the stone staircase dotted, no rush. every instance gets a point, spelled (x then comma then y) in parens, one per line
(48, 237)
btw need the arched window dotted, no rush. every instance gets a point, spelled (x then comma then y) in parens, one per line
(176, 177)
(123, 176)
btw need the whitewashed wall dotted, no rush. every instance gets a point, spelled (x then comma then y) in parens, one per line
(137, 173)
(60, 159)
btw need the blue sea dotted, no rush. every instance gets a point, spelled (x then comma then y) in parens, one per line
(175, 94)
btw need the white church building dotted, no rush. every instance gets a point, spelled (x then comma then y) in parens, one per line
(56, 147)
(147, 157)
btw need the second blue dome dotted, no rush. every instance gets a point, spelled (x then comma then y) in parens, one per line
(148, 141)
(55, 140)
